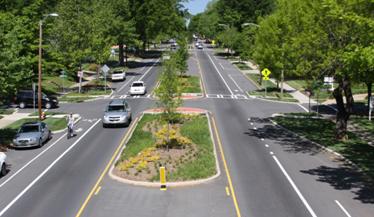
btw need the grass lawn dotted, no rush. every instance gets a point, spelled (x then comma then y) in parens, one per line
(80, 97)
(273, 93)
(6, 111)
(323, 132)
(364, 123)
(53, 123)
(54, 84)
(190, 84)
(242, 66)
(196, 129)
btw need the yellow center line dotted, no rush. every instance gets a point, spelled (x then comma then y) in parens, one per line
(227, 191)
(95, 188)
(235, 201)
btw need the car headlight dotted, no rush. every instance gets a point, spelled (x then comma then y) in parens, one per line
(32, 139)
(14, 140)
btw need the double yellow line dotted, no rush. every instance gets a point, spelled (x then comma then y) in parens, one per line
(96, 187)
(235, 201)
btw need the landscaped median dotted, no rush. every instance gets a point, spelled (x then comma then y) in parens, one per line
(186, 150)
(322, 132)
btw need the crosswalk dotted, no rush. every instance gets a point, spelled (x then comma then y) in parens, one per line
(210, 96)
(224, 96)
(131, 96)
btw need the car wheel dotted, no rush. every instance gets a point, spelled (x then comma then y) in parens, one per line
(3, 170)
(105, 126)
(22, 105)
(40, 143)
(48, 105)
(49, 135)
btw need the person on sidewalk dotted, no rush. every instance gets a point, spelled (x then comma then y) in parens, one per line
(70, 126)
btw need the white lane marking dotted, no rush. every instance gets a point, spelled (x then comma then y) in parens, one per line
(3, 211)
(266, 145)
(222, 66)
(123, 86)
(142, 68)
(251, 123)
(210, 58)
(32, 160)
(249, 119)
(301, 106)
(79, 130)
(306, 204)
(145, 73)
(271, 153)
(262, 139)
(237, 85)
(236, 90)
(342, 208)
(255, 128)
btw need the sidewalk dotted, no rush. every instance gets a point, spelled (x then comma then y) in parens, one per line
(303, 99)
(8, 119)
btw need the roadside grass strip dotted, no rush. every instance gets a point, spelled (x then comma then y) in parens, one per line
(54, 124)
(322, 131)
(242, 66)
(6, 111)
(364, 124)
(143, 155)
(190, 84)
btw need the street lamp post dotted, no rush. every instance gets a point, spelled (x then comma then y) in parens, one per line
(40, 63)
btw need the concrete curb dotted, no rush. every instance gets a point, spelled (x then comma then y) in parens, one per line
(320, 146)
(269, 100)
(169, 184)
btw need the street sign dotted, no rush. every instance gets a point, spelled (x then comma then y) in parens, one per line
(266, 73)
(80, 74)
(105, 69)
(328, 80)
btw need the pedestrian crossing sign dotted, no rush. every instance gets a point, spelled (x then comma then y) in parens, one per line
(266, 73)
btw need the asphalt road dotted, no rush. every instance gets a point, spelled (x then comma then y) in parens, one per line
(273, 173)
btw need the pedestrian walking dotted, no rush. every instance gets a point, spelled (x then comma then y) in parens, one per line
(70, 126)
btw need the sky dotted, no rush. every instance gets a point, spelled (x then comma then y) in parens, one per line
(196, 6)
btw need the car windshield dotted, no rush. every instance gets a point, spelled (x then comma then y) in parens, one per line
(116, 108)
(117, 72)
(137, 84)
(29, 129)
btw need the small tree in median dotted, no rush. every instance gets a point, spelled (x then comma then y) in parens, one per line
(169, 93)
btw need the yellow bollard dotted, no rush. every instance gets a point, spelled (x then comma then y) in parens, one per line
(162, 179)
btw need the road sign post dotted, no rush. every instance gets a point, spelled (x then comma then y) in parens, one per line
(105, 69)
(265, 76)
(80, 75)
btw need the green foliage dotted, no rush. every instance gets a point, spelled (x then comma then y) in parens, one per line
(169, 92)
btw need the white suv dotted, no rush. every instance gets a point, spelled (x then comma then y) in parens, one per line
(138, 88)
(3, 166)
(118, 75)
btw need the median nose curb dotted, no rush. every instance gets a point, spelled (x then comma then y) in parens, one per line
(190, 96)
(183, 110)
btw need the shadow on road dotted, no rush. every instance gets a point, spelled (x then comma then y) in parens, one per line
(344, 177)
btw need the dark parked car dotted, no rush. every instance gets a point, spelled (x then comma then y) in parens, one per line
(32, 134)
(25, 98)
